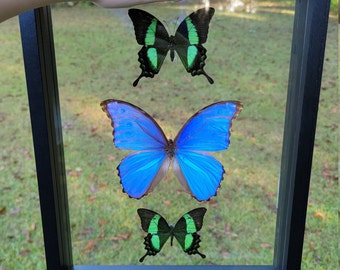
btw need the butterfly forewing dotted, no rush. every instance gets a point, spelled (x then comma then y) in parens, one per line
(209, 128)
(147, 27)
(153, 222)
(199, 22)
(133, 128)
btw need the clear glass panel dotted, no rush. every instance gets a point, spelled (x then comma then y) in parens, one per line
(21, 237)
(248, 50)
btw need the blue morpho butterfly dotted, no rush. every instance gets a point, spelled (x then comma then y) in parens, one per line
(187, 42)
(199, 173)
(159, 231)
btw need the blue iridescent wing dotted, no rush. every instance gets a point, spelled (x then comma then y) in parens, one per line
(200, 174)
(134, 129)
(206, 131)
(209, 129)
(140, 172)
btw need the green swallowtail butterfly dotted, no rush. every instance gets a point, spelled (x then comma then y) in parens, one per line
(187, 42)
(185, 231)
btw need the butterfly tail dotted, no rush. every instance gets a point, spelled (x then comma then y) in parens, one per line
(137, 80)
(201, 254)
(210, 80)
(142, 259)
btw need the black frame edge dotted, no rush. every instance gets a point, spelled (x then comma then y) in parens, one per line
(172, 267)
(308, 46)
(42, 88)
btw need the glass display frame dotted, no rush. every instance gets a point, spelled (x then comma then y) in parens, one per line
(308, 45)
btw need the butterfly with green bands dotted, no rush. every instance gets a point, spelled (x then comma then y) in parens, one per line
(191, 33)
(159, 231)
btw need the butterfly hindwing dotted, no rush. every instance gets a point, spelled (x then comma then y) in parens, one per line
(200, 174)
(141, 171)
(185, 231)
(151, 60)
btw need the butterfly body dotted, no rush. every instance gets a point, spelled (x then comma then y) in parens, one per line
(187, 42)
(199, 172)
(159, 231)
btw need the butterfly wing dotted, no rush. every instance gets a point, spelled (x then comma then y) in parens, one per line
(200, 174)
(186, 228)
(206, 131)
(189, 37)
(134, 129)
(150, 33)
(158, 231)
(140, 172)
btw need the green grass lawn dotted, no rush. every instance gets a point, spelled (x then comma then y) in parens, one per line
(96, 52)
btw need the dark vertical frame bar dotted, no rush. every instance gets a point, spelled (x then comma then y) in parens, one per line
(308, 46)
(42, 87)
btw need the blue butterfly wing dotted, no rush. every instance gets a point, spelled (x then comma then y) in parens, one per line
(207, 131)
(140, 172)
(199, 173)
(134, 129)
